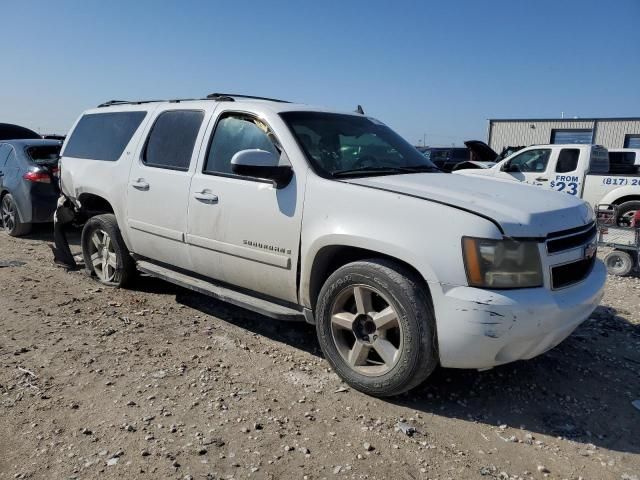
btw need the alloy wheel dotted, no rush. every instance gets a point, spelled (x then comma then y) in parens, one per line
(366, 330)
(9, 213)
(103, 256)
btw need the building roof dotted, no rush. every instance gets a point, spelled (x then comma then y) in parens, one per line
(581, 119)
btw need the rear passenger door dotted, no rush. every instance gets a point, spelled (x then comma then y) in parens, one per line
(158, 189)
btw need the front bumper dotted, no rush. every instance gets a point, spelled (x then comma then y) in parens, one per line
(483, 328)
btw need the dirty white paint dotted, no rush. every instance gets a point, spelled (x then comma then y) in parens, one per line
(255, 236)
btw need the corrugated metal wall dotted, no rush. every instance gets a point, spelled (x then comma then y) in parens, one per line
(517, 133)
(611, 134)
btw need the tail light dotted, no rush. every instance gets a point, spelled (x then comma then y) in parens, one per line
(37, 176)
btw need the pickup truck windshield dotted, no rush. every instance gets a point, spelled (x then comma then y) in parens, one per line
(339, 145)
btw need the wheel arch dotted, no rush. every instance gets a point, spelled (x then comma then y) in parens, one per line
(329, 258)
(5, 192)
(621, 195)
(94, 204)
(628, 198)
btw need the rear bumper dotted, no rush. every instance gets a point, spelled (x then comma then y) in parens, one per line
(42, 209)
(484, 328)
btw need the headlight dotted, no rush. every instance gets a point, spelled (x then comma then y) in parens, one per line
(501, 263)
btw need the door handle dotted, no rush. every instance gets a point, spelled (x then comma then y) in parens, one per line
(542, 179)
(206, 196)
(140, 184)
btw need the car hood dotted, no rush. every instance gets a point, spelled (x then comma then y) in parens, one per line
(520, 210)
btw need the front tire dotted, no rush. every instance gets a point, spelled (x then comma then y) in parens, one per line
(11, 219)
(105, 254)
(376, 327)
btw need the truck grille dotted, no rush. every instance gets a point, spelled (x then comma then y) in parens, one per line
(570, 273)
(567, 240)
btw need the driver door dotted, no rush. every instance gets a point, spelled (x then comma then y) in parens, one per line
(243, 230)
(532, 167)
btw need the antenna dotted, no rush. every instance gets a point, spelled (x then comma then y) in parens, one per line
(360, 110)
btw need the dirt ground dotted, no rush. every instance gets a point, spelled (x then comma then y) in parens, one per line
(159, 382)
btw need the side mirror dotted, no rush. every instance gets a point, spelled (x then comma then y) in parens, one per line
(507, 167)
(261, 164)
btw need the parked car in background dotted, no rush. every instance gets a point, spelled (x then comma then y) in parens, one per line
(28, 193)
(581, 170)
(446, 158)
(296, 213)
(9, 131)
(475, 154)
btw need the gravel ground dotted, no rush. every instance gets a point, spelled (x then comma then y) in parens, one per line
(159, 382)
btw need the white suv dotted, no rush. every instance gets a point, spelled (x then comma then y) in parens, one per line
(301, 213)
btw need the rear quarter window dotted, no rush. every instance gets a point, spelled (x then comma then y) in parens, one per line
(103, 136)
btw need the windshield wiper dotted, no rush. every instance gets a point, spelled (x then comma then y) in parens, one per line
(385, 170)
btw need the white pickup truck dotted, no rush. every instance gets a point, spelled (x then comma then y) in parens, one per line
(580, 170)
(302, 213)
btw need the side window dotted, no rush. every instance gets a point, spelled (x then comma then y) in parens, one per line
(530, 161)
(172, 138)
(567, 160)
(235, 132)
(103, 136)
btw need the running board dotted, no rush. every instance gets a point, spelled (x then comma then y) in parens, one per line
(239, 299)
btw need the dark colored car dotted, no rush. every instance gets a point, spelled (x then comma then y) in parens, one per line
(445, 158)
(477, 154)
(28, 192)
(9, 131)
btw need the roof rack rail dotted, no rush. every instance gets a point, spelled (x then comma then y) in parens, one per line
(229, 97)
(220, 97)
(128, 102)
(138, 102)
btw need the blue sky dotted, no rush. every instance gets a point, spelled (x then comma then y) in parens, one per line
(435, 68)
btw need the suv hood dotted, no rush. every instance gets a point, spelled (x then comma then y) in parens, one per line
(520, 210)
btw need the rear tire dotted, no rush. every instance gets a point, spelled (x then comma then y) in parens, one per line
(618, 263)
(105, 254)
(626, 211)
(11, 218)
(376, 327)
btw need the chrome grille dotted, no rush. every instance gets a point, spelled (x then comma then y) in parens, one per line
(570, 239)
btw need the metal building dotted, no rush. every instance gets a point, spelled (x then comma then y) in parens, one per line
(609, 132)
